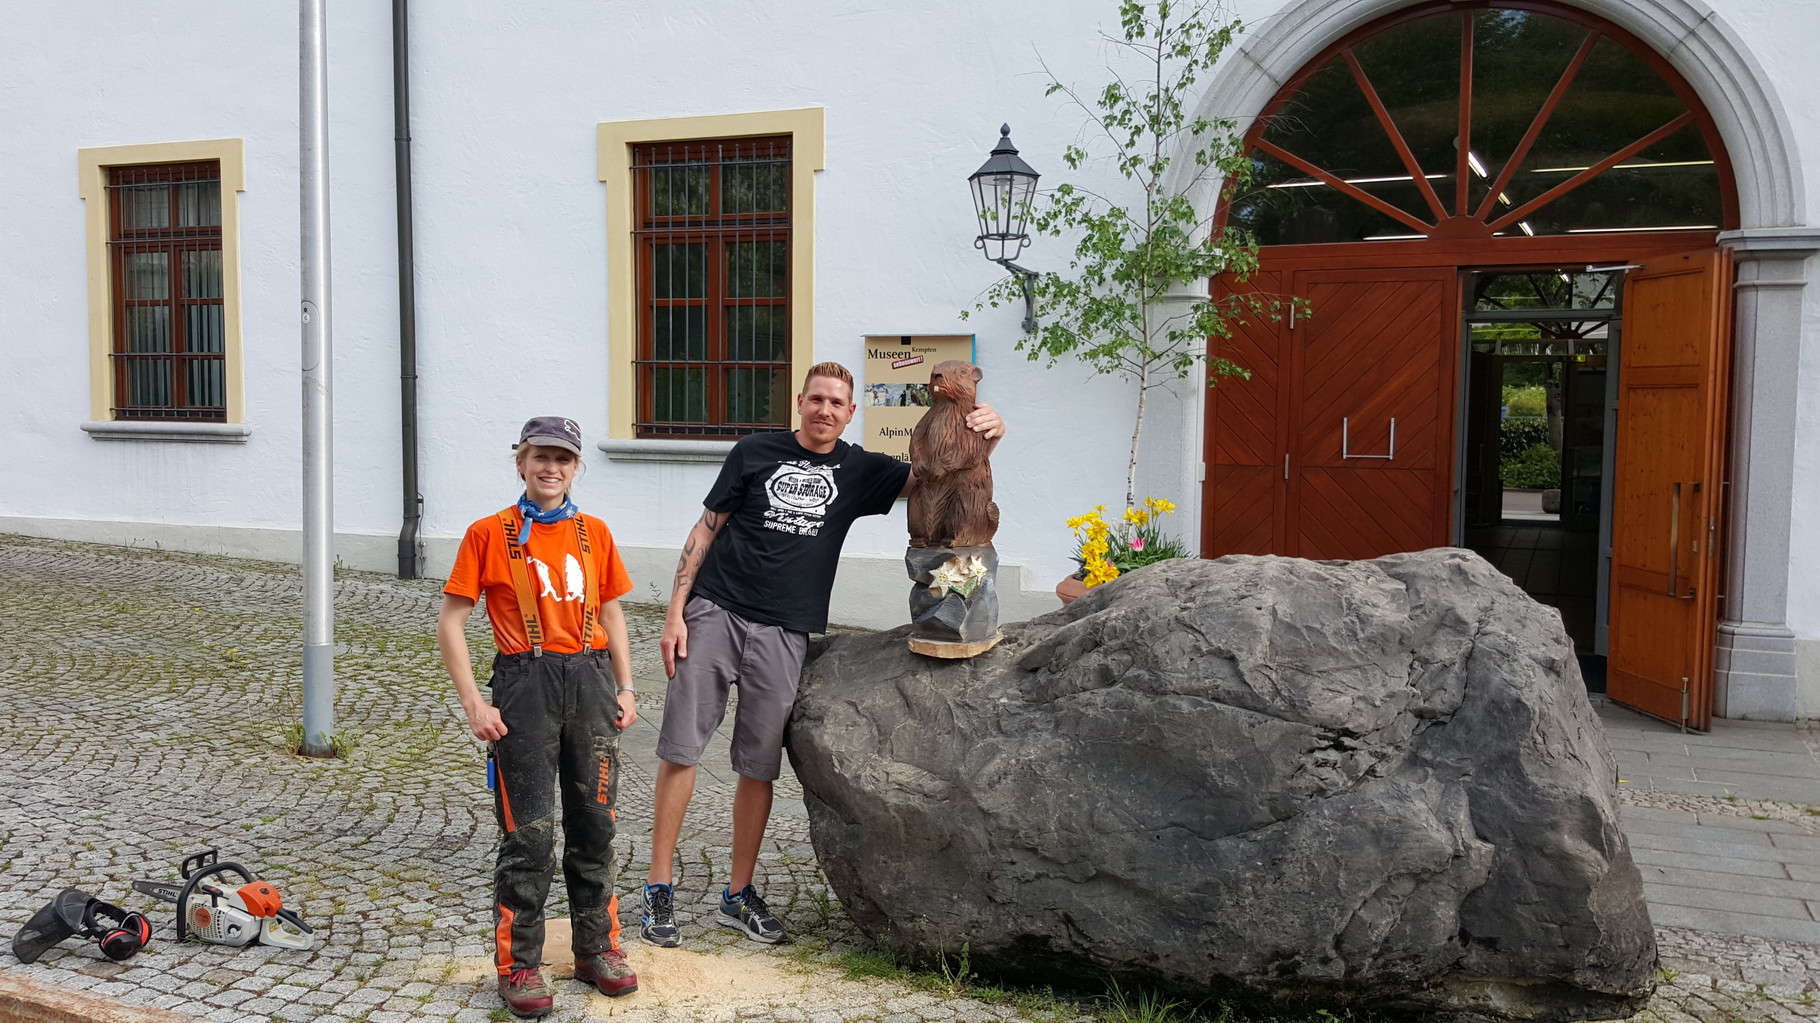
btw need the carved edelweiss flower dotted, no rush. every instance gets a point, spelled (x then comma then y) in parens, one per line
(958, 574)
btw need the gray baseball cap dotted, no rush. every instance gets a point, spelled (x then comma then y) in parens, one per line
(552, 431)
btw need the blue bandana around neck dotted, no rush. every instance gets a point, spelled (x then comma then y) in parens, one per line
(532, 513)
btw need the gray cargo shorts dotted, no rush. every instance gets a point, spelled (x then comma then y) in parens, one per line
(726, 650)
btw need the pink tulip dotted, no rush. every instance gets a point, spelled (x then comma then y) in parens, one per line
(1137, 543)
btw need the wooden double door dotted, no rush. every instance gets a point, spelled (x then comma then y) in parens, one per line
(1342, 444)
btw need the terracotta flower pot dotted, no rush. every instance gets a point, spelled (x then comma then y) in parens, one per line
(1070, 589)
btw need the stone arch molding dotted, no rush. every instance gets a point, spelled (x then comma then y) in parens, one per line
(1687, 33)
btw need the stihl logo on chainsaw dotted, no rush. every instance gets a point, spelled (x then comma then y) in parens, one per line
(229, 916)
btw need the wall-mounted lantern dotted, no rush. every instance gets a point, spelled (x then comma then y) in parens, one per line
(1002, 190)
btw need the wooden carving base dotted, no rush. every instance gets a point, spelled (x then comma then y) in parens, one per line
(953, 651)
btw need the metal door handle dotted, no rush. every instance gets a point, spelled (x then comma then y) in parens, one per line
(1346, 441)
(1674, 535)
(1674, 539)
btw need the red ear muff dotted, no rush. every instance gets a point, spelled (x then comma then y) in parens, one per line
(119, 933)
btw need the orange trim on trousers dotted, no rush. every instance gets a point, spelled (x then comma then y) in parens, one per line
(502, 940)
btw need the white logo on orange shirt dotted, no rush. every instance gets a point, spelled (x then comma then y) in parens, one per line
(572, 579)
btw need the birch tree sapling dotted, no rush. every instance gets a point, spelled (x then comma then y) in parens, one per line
(1135, 300)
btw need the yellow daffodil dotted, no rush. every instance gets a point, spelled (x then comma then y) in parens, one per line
(1106, 551)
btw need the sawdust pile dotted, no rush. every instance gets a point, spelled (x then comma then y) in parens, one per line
(712, 986)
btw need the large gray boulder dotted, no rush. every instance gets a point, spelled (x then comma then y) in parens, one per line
(1371, 784)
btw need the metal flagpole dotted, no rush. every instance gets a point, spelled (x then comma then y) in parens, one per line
(318, 479)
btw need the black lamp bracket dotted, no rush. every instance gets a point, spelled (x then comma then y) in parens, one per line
(1025, 277)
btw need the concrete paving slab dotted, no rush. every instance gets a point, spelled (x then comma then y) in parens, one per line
(1697, 849)
(1663, 832)
(1763, 823)
(1724, 865)
(1729, 901)
(1744, 785)
(1775, 928)
(1627, 729)
(1631, 813)
(1728, 788)
(1793, 761)
(1678, 769)
(1718, 881)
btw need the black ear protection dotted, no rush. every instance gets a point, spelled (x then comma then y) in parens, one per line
(119, 932)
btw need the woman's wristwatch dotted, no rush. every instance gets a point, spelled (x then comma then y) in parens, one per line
(628, 689)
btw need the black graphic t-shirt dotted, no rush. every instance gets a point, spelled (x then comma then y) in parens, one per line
(790, 509)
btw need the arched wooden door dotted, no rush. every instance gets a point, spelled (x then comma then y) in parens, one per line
(1445, 139)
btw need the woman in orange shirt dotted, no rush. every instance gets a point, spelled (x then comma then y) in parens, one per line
(562, 693)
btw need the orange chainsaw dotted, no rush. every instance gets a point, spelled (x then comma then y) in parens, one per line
(221, 915)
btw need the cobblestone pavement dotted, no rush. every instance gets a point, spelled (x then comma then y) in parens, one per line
(147, 697)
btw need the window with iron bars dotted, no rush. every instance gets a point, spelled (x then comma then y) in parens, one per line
(714, 284)
(164, 247)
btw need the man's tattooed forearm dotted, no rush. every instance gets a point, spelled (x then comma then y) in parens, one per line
(694, 550)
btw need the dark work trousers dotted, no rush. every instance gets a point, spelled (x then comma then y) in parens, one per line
(560, 713)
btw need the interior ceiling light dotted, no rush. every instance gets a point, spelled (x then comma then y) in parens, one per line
(1524, 224)
(1307, 183)
(1472, 160)
(1646, 165)
(1635, 230)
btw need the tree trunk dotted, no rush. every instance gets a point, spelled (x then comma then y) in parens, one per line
(1137, 431)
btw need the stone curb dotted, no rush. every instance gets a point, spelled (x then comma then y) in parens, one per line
(25, 1001)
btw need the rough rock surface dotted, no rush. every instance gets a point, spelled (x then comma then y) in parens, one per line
(1375, 784)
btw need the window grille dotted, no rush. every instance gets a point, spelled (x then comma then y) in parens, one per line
(164, 247)
(714, 286)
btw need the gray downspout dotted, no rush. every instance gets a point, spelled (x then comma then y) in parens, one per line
(410, 548)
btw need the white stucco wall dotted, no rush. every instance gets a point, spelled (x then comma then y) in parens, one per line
(511, 245)
(1784, 39)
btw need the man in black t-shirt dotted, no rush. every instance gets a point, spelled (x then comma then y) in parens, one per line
(754, 580)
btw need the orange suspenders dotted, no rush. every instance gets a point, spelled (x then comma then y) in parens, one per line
(527, 597)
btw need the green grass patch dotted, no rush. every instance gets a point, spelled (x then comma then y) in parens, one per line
(874, 964)
(1139, 1006)
(341, 744)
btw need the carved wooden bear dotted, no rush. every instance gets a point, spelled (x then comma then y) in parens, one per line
(952, 503)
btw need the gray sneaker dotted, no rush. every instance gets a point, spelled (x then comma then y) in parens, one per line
(659, 925)
(745, 911)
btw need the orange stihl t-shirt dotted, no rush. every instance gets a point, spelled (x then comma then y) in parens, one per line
(553, 557)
